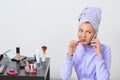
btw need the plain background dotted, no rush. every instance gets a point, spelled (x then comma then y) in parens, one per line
(30, 24)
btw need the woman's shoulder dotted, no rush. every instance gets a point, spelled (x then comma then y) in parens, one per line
(105, 48)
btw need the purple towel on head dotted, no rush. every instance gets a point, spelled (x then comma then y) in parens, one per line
(92, 15)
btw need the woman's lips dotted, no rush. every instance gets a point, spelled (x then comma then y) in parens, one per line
(82, 40)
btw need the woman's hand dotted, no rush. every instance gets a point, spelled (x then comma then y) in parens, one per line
(96, 45)
(72, 47)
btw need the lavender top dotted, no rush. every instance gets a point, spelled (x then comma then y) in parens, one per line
(87, 65)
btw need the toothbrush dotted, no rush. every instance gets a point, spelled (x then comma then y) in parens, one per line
(82, 40)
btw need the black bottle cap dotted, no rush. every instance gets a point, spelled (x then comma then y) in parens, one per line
(17, 49)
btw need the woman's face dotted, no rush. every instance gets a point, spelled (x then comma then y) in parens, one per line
(86, 33)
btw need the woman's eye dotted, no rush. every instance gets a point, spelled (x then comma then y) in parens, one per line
(88, 32)
(80, 30)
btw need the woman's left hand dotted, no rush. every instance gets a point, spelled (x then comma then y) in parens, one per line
(96, 45)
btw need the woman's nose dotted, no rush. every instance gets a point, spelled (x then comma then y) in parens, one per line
(83, 35)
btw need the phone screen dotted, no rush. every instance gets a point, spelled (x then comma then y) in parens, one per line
(94, 37)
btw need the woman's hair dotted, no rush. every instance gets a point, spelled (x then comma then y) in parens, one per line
(87, 22)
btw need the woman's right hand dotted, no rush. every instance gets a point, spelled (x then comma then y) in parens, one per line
(72, 47)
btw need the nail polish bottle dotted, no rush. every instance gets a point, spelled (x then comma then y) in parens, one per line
(27, 68)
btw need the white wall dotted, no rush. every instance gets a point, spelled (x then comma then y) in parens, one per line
(33, 23)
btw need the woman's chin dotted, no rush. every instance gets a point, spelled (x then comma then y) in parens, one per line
(84, 43)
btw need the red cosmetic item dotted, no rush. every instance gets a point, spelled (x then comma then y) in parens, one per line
(27, 69)
(82, 40)
(12, 72)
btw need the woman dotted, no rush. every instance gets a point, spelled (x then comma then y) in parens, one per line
(90, 59)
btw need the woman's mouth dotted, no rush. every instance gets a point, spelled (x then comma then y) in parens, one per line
(82, 40)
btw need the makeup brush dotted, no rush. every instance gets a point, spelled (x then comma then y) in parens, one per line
(44, 48)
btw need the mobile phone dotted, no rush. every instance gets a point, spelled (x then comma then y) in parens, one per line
(94, 37)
